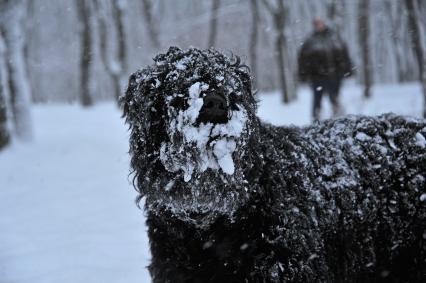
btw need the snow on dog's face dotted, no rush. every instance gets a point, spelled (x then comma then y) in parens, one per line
(191, 114)
(205, 134)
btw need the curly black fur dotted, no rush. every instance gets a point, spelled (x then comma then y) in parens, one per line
(340, 201)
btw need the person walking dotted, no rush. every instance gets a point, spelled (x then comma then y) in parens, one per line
(323, 62)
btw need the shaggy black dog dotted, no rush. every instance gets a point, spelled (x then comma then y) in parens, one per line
(231, 199)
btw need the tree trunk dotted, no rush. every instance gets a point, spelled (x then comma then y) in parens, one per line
(115, 65)
(149, 20)
(364, 35)
(4, 131)
(213, 23)
(395, 22)
(334, 11)
(29, 33)
(118, 15)
(422, 11)
(254, 39)
(286, 80)
(416, 44)
(281, 66)
(11, 28)
(86, 49)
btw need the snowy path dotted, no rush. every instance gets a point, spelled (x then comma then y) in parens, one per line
(66, 206)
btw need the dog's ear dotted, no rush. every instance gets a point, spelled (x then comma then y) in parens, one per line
(125, 100)
(143, 110)
(136, 100)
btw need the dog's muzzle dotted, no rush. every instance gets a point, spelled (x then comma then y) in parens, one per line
(214, 110)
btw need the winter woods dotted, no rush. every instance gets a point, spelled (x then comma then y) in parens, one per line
(148, 27)
(82, 50)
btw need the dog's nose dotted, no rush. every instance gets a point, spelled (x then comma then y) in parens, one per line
(214, 109)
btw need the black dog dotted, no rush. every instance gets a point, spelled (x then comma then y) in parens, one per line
(231, 199)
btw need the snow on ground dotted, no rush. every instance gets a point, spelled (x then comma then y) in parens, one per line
(66, 205)
(405, 99)
(67, 211)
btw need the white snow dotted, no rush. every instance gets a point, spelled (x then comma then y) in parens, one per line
(67, 211)
(195, 102)
(223, 147)
(170, 185)
(405, 99)
(244, 246)
(223, 150)
(420, 140)
(362, 136)
(181, 64)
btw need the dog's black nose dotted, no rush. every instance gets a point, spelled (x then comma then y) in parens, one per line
(214, 109)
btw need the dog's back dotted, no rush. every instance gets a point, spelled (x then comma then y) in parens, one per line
(377, 174)
(352, 192)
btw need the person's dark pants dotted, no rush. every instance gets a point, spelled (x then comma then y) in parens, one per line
(329, 86)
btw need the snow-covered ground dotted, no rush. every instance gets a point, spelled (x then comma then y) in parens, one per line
(67, 211)
(403, 99)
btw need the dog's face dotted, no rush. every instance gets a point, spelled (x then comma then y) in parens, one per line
(191, 114)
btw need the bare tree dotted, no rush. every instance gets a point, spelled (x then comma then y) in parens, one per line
(364, 36)
(422, 11)
(414, 30)
(395, 22)
(12, 15)
(4, 131)
(335, 14)
(279, 13)
(254, 38)
(115, 65)
(86, 49)
(118, 13)
(149, 20)
(213, 23)
(103, 19)
(28, 24)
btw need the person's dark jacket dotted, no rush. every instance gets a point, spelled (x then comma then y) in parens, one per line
(324, 56)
